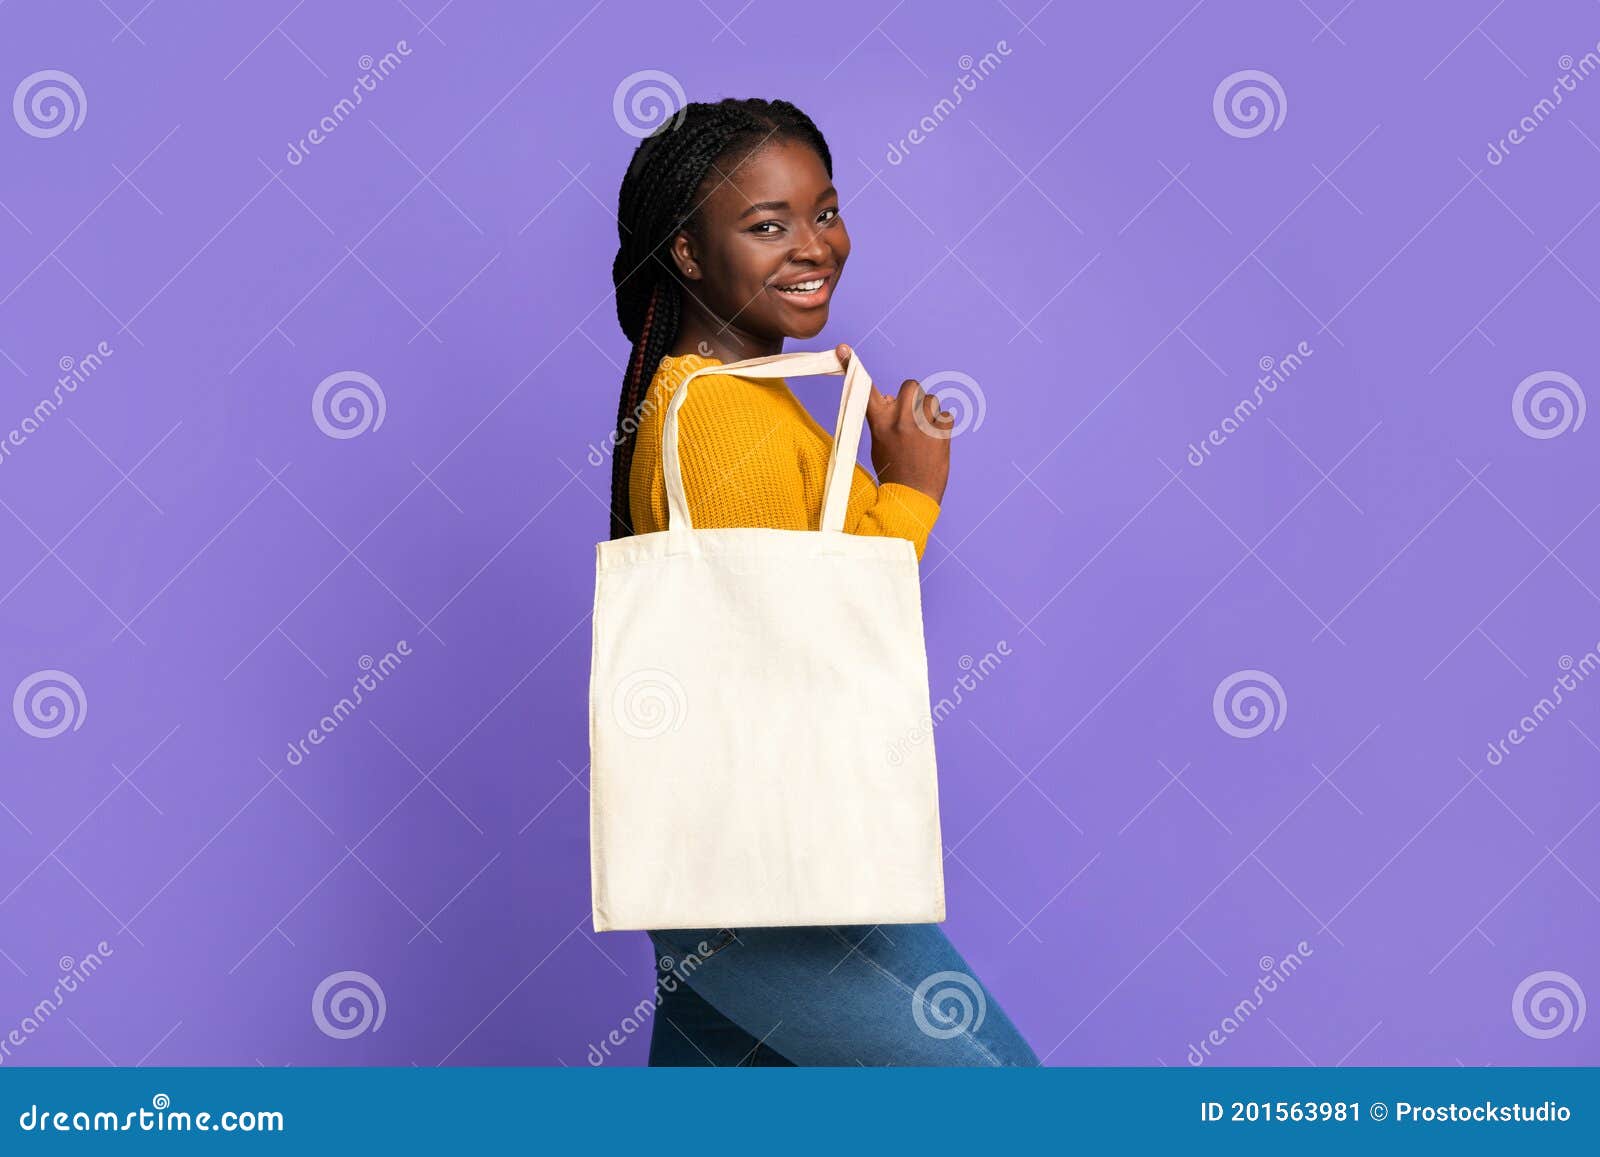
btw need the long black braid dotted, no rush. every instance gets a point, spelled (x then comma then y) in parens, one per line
(659, 197)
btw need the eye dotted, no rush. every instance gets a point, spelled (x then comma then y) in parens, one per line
(828, 215)
(760, 228)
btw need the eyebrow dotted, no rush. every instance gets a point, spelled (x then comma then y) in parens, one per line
(765, 206)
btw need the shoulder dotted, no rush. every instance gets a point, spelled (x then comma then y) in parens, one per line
(675, 370)
(714, 397)
(672, 370)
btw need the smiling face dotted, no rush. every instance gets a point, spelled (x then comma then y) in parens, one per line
(762, 258)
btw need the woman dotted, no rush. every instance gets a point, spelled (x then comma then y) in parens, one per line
(731, 241)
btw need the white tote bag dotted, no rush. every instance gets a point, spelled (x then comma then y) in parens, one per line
(760, 737)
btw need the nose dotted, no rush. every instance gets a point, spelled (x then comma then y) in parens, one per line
(815, 249)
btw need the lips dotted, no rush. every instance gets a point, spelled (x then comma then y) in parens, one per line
(806, 292)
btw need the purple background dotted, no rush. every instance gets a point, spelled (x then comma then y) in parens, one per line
(1080, 237)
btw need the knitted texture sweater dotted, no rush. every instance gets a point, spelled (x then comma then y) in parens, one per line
(752, 455)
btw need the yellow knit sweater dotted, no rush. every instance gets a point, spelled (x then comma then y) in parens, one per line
(753, 456)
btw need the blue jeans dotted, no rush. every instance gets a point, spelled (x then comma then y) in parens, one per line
(894, 994)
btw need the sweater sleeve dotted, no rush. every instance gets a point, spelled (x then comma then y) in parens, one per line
(891, 510)
(752, 457)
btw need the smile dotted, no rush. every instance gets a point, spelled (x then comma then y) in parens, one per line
(809, 293)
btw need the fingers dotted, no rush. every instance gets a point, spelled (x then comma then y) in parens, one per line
(880, 411)
(923, 408)
(917, 403)
(911, 393)
(912, 403)
(887, 405)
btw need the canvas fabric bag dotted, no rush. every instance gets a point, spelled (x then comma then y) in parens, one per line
(761, 743)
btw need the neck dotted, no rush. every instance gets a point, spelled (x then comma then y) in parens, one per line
(700, 333)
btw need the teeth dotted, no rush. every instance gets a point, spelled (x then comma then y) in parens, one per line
(804, 286)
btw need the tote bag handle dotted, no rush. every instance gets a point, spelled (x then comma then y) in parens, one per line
(846, 431)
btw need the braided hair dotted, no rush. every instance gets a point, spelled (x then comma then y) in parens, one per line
(660, 197)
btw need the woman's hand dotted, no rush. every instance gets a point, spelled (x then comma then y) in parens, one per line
(910, 437)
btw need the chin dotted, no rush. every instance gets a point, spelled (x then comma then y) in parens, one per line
(810, 327)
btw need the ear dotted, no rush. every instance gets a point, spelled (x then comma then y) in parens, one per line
(685, 258)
